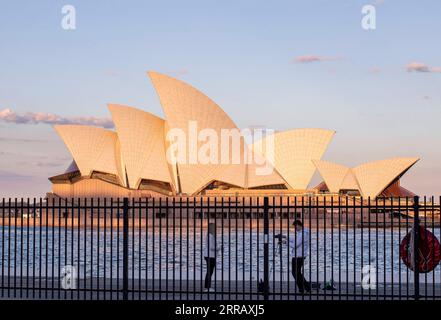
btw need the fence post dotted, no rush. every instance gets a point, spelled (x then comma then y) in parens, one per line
(125, 249)
(416, 237)
(265, 249)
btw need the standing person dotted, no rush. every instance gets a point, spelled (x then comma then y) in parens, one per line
(299, 243)
(210, 254)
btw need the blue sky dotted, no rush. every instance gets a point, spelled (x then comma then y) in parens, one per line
(241, 54)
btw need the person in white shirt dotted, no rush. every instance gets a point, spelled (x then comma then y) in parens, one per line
(210, 251)
(299, 244)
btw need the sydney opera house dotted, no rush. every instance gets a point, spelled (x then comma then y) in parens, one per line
(133, 160)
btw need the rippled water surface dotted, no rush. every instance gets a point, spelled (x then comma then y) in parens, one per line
(340, 254)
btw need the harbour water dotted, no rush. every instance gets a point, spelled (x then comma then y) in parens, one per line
(337, 254)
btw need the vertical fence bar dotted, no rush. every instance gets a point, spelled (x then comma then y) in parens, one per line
(146, 210)
(243, 248)
(382, 252)
(215, 248)
(391, 217)
(180, 248)
(118, 216)
(376, 246)
(222, 247)
(361, 241)
(407, 230)
(92, 208)
(15, 246)
(105, 249)
(160, 247)
(257, 242)
(78, 245)
(147, 232)
(85, 249)
(339, 248)
(98, 256)
(288, 210)
(59, 249)
(111, 249)
(325, 255)
(310, 242)
(236, 254)
(139, 246)
(354, 226)
(399, 239)
(125, 249)
(33, 249)
(132, 287)
(265, 249)
(65, 244)
(3, 246)
(229, 248)
(8, 274)
(174, 248)
(416, 236)
(166, 249)
(433, 244)
(187, 238)
(194, 247)
(153, 248)
(27, 249)
(369, 236)
(273, 248)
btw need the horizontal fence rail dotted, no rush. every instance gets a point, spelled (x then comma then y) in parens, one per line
(208, 248)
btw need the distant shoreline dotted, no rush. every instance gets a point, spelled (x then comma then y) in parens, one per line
(198, 223)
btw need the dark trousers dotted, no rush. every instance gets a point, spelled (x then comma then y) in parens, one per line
(297, 273)
(211, 264)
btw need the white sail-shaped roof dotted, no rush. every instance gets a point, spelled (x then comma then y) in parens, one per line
(261, 173)
(370, 178)
(293, 153)
(350, 181)
(374, 177)
(139, 150)
(93, 149)
(332, 173)
(141, 135)
(183, 104)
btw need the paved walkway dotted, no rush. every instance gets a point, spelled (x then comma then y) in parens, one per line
(193, 290)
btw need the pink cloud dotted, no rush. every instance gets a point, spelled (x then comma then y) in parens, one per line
(421, 67)
(9, 116)
(374, 70)
(313, 58)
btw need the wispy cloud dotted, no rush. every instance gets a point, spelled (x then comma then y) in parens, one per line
(6, 175)
(374, 70)
(50, 164)
(111, 73)
(21, 139)
(421, 67)
(313, 58)
(10, 116)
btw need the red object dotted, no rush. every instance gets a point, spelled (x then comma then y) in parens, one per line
(429, 251)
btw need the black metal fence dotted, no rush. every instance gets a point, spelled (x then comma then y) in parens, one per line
(155, 249)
